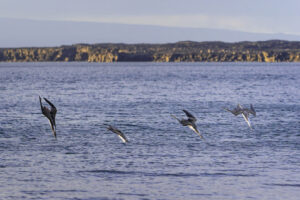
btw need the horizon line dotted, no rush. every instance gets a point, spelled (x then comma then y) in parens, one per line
(147, 43)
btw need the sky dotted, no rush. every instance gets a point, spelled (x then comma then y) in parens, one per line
(255, 16)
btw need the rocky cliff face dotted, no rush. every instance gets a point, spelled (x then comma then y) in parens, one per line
(267, 51)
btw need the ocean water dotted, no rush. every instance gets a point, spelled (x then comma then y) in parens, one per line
(163, 160)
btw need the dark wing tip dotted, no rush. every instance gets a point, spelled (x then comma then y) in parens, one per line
(226, 109)
(49, 102)
(186, 112)
(109, 127)
(253, 110)
(189, 115)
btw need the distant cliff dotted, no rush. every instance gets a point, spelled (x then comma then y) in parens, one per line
(264, 51)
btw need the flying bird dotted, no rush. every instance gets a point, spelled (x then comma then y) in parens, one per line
(118, 132)
(50, 114)
(244, 111)
(189, 122)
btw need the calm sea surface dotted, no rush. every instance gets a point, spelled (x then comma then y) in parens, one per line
(163, 160)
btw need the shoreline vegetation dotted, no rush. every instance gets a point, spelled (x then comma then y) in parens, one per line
(185, 51)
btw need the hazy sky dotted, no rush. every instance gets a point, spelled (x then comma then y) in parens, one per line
(262, 16)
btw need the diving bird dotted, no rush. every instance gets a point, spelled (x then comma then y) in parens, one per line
(189, 122)
(251, 110)
(118, 132)
(244, 111)
(50, 114)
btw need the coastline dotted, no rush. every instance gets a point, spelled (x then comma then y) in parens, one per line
(186, 51)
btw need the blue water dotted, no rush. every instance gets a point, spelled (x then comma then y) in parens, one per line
(163, 160)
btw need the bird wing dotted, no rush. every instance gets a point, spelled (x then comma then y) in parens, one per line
(252, 111)
(53, 108)
(175, 118)
(235, 111)
(190, 116)
(118, 132)
(41, 103)
(111, 128)
(45, 110)
(52, 111)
